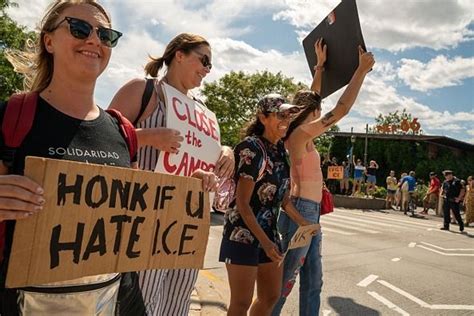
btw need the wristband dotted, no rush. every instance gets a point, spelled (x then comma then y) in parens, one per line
(320, 68)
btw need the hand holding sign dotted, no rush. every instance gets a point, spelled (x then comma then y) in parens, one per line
(303, 235)
(272, 252)
(162, 138)
(20, 197)
(366, 61)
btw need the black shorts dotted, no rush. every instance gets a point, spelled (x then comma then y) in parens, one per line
(234, 252)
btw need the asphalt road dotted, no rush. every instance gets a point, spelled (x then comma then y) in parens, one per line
(378, 263)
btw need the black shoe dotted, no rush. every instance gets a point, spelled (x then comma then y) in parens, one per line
(444, 228)
(461, 229)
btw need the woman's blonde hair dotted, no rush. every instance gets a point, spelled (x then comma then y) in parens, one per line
(35, 62)
(184, 42)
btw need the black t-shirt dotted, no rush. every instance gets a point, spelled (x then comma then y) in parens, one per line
(371, 171)
(452, 188)
(59, 136)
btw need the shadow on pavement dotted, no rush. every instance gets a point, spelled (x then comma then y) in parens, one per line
(347, 306)
(214, 304)
(217, 218)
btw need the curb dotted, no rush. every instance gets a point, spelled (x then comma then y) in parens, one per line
(208, 296)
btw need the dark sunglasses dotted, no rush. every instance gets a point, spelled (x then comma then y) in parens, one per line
(81, 29)
(204, 59)
(286, 115)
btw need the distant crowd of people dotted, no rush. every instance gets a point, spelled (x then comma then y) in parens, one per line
(449, 198)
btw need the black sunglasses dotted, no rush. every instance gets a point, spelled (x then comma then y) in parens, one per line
(81, 29)
(204, 59)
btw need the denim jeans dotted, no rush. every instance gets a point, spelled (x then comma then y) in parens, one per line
(305, 260)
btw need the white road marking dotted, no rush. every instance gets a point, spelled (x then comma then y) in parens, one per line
(370, 222)
(326, 312)
(447, 254)
(365, 282)
(391, 217)
(337, 231)
(448, 249)
(387, 303)
(403, 293)
(364, 230)
(412, 244)
(396, 259)
(423, 303)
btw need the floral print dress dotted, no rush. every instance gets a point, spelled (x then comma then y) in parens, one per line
(268, 192)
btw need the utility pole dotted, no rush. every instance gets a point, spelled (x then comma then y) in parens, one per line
(366, 141)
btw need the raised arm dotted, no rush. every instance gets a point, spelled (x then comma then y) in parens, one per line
(320, 50)
(315, 128)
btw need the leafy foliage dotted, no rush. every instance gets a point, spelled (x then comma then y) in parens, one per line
(12, 36)
(234, 96)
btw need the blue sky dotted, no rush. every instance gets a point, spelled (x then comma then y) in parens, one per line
(424, 50)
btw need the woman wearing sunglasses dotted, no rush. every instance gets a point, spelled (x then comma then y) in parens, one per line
(73, 49)
(250, 245)
(307, 180)
(188, 61)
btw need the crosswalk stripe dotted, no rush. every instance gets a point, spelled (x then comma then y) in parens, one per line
(371, 222)
(391, 218)
(337, 231)
(370, 231)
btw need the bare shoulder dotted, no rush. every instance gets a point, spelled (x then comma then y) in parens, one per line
(128, 98)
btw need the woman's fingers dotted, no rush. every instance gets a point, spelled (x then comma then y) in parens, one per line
(19, 197)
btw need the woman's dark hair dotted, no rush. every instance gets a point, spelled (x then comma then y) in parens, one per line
(309, 102)
(184, 42)
(253, 128)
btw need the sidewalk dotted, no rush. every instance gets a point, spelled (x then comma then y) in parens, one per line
(206, 298)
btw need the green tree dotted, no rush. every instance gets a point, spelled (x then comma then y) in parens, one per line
(234, 96)
(12, 36)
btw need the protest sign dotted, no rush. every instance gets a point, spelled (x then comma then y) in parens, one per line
(342, 34)
(99, 219)
(201, 146)
(303, 236)
(335, 172)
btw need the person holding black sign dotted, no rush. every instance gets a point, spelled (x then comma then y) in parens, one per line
(188, 61)
(307, 180)
(73, 48)
(453, 194)
(250, 245)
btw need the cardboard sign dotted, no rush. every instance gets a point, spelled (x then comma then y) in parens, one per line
(342, 34)
(201, 146)
(99, 219)
(335, 172)
(303, 236)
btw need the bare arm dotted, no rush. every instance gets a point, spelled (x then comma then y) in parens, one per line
(320, 50)
(292, 212)
(243, 194)
(315, 128)
(128, 101)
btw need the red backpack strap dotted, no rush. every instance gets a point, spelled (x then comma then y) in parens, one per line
(127, 130)
(17, 122)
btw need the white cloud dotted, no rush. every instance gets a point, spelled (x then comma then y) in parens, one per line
(216, 20)
(439, 72)
(395, 25)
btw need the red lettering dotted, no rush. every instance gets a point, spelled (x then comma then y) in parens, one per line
(183, 166)
(175, 102)
(170, 168)
(213, 130)
(189, 116)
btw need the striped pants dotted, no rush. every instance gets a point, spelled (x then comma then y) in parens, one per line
(167, 292)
